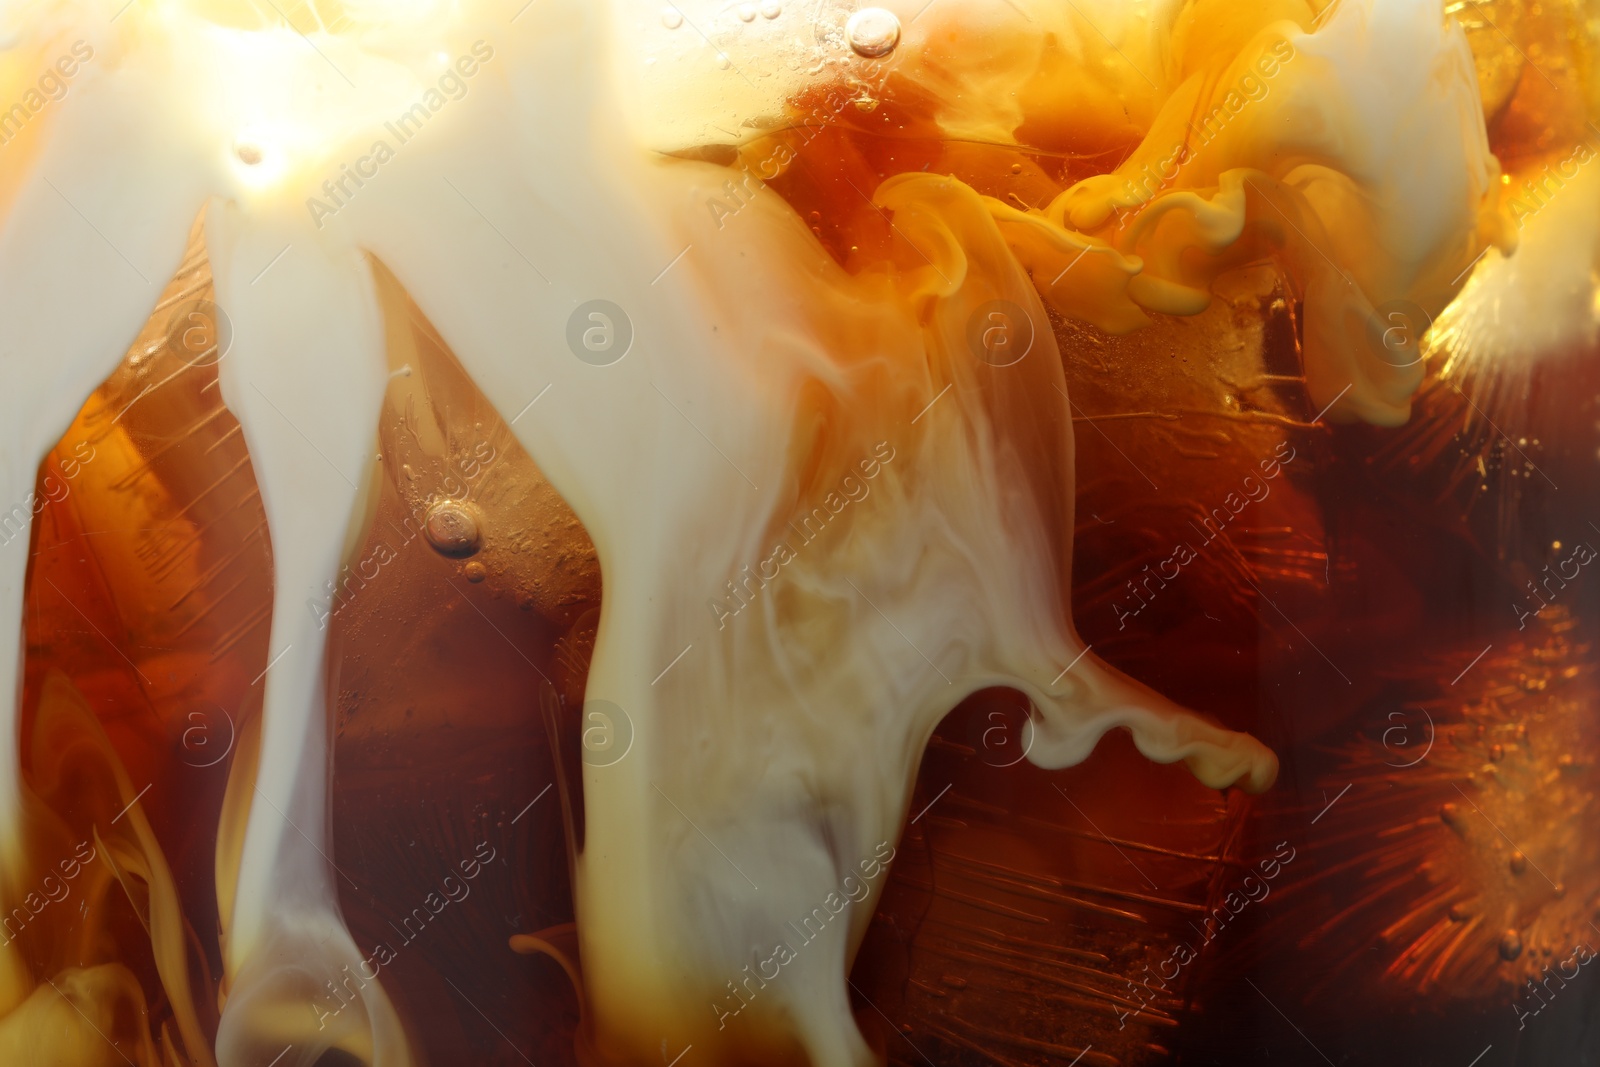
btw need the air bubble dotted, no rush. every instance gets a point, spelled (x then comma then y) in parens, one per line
(723, 61)
(1510, 945)
(873, 32)
(671, 18)
(452, 530)
(770, 10)
(747, 13)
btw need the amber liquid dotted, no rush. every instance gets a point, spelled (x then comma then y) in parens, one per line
(1421, 859)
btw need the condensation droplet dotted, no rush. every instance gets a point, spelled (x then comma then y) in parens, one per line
(475, 572)
(747, 13)
(671, 18)
(1450, 814)
(1519, 863)
(452, 530)
(723, 61)
(771, 10)
(1510, 945)
(873, 32)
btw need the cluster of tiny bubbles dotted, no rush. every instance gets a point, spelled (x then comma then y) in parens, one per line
(828, 20)
(672, 18)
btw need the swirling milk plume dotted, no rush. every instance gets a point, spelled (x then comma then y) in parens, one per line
(761, 377)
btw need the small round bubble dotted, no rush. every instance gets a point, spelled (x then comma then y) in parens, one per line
(1510, 945)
